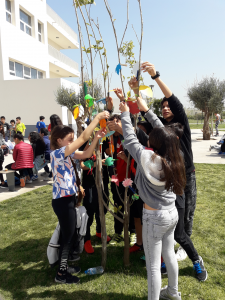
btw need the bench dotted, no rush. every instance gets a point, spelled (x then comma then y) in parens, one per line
(10, 176)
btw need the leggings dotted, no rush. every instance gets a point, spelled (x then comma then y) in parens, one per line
(158, 237)
(64, 209)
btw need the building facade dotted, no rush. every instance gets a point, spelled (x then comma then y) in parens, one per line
(32, 67)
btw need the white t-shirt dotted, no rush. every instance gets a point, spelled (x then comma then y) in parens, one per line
(218, 116)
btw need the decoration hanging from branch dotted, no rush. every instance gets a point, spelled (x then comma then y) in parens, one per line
(110, 161)
(103, 100)
(115, 179)
(127, 182)
(118, 68)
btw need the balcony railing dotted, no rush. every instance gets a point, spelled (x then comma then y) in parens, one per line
(60, 21)
(62, 58)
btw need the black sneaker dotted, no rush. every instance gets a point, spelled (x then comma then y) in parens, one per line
(200, 271)
(73, 270)
(73, 257)
(66, 279)
(163, 269)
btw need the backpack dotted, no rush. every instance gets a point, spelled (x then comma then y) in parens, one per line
(78, 246)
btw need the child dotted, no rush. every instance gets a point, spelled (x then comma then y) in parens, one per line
(65, 187)
(160, 175)
(12, 130)
(38, 146)
(90, 201)
(23, 157)
(2, 146)
(41, 124)
(20, 126)
(6, 128)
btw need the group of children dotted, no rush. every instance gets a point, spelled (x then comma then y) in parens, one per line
(164, 176)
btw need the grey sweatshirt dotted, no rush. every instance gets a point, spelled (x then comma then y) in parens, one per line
(149, 172)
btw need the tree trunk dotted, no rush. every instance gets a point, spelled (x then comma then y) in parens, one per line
(101, 207)
(79, 127)
(206, 130)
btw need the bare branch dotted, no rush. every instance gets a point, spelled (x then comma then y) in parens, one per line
(126, 24)
(135, 34)
(140, 45)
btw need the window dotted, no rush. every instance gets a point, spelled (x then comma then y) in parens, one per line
(39, 32)
(33, 74)
(12, 68)
(25, 22)
(19, 70)
(22, 71)
(40, 75)
(8, 11)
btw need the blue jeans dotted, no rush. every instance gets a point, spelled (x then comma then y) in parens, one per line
(158, 238)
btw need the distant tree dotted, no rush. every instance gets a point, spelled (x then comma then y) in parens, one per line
(156, 105)
(208, 96)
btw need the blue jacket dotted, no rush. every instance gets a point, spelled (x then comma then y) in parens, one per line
(47, 147)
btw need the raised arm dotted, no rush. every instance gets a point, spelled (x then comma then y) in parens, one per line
(85, 134)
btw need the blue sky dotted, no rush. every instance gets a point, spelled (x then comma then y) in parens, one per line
(184, 39)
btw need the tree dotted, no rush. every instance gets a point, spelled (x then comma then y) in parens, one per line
(208, 96)
(157, 106)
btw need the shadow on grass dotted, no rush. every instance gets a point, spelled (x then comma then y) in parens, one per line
(24, 266)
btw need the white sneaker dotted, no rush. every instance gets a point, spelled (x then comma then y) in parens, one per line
(164, 294)
(29, 181)
(181, 254)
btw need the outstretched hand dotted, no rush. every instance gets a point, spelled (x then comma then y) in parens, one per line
(148, 67)
(101, 133)
(103, 115)
(123, 107)
(142, 105)
(119, 93)
(133, 83)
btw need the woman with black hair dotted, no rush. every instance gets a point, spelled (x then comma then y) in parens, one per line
(38, 146)
(54, 121)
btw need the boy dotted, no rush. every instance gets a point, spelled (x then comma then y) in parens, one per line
(41, 124)
(12, 130)
(6, 128)
(20, 126)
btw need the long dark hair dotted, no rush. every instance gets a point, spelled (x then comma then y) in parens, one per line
(55, 120)
(35, 139)
(2, 131)
(59, 132)
(166, 145)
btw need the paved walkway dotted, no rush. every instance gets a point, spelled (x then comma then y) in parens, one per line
(200, 150)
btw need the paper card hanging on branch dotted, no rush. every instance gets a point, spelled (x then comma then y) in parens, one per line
(146, 91)
(127, 182)
(117, 209)
(133, 106)
(89, 164)
(115, 179)
(102, 123)
(88, 97)
(94, 112)
(109, 133)
(76, 112)
(136, 69)
(101, 100)
(81, 111)
(118, 68)
(110, 161)
(135, 197)
(111, 148)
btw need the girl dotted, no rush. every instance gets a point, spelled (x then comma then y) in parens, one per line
(2, 146)
(54, 121)
(38, 146)
(160, 175)
(65, 187)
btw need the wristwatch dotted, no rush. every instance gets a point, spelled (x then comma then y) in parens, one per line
(156, 76)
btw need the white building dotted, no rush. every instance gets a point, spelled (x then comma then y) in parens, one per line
(31, 64)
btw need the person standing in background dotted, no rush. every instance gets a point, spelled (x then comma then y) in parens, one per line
(6, 128)
(217, 122)
(12, 130)
(41, 124)
(20, 126)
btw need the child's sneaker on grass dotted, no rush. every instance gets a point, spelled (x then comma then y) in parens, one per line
(164, 294)
(116, 238)
(88, 247)
(99, 235)
(73, 270)
(136, 248)
(200, 271)
(66, 279)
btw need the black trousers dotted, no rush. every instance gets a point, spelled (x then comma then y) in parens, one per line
(90, 202)
(182, 238)
(190, 202)
(1, 168)
(64, 209)
(118, 226)
(22, 172)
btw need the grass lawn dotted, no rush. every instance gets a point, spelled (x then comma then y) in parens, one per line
(193, 125)
(27, 223)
